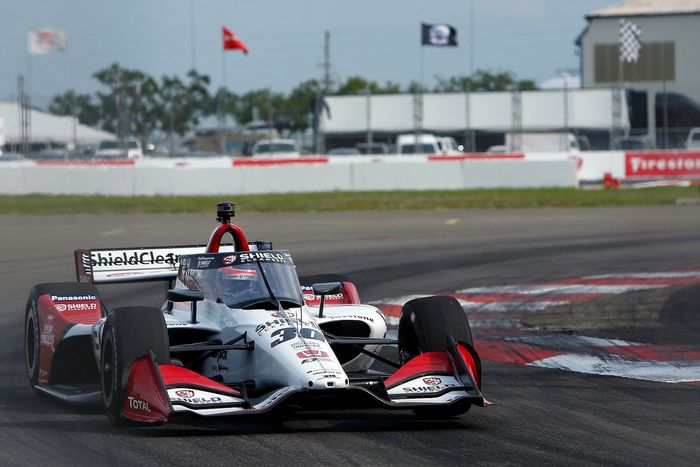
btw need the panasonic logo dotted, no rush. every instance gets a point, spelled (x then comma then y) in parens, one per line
(73, 298)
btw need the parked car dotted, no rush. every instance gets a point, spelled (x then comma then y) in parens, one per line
(196, 154)
(497, 149)
(52, 154)
(448, 145)
(112, 149)
(344, 152)
(693, 141)
(636, 143)
(373, 148)
(424, 144)
(11, 156)
(276, 148)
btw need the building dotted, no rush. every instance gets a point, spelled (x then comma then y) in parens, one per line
(668, 67)
(489, 116)
(46, 130)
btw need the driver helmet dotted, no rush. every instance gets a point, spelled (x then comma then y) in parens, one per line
(234, 280)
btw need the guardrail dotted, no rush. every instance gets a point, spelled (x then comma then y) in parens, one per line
(294, 175)
(224, 175)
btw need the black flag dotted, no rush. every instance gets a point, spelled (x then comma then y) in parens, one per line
(441, 35)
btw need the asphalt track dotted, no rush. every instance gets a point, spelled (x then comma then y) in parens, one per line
(541, 416)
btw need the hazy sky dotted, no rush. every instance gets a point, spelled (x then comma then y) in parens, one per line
(377, 39)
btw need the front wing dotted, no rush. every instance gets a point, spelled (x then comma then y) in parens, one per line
(156, 392)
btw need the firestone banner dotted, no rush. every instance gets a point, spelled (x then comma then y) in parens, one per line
(662, 164)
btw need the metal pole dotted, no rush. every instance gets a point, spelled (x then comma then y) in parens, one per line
(326, 62)
(222, 118)
(326, 87)
(369, 115)
(566, 113)
(27, 105)
(75, 127)
(472, 132)
(664, 90)
(192, 36)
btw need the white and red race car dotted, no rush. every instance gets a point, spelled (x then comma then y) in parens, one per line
(238, 334)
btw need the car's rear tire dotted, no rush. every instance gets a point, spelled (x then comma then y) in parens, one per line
(129, 334)
(31, 343)
(424, 326)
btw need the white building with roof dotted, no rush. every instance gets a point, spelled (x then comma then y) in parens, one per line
(47, 129)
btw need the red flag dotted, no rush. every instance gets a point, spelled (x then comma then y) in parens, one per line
(231, 42)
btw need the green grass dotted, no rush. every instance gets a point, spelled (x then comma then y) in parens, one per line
(347, 201)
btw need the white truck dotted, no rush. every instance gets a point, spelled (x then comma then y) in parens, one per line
(541, 142)
(424, 144)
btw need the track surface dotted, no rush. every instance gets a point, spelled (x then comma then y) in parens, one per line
(542, 415)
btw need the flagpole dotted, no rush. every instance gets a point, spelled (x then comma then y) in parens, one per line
(192, 36)
(223, 68)
(222, 142)
(468, 100)
(28, 111)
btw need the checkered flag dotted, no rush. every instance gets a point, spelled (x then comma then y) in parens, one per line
(630, 45)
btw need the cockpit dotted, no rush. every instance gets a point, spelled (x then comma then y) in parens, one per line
(245, 280)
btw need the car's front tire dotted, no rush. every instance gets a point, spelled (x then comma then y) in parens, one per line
(129, 334)
(424, 326)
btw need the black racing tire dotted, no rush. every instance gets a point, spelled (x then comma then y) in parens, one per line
(424, 325)
(31, 343)
(129, 334)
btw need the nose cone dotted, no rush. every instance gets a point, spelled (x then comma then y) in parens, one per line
(316, 367)
(328, 381)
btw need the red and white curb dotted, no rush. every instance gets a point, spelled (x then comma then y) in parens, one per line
(495, 313)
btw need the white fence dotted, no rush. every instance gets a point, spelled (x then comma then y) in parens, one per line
(224, 176)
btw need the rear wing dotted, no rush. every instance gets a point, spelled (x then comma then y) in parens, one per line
(114, 265)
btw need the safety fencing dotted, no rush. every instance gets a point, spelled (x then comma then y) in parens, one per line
(346, 173)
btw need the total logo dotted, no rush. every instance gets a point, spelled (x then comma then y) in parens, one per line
(138, 404)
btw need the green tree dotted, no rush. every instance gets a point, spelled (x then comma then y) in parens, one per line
(359, 85)
(131, 106)
(263, 104)
(79, 105)
(182, 104)
(483, 80)
(298, 108)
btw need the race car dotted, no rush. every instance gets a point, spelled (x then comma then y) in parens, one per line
(240, 334)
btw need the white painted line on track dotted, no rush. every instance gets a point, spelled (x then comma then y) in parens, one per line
(511, 306)
(613, 365)
(561, 288)
(649, 275)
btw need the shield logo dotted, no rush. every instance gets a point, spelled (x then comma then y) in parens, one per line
(229, 259)
(432, 381)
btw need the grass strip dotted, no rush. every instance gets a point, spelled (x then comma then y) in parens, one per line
(347, 201)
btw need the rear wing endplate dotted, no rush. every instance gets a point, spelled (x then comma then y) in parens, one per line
(114, 265)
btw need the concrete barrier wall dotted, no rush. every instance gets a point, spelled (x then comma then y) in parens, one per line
(151, 178)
